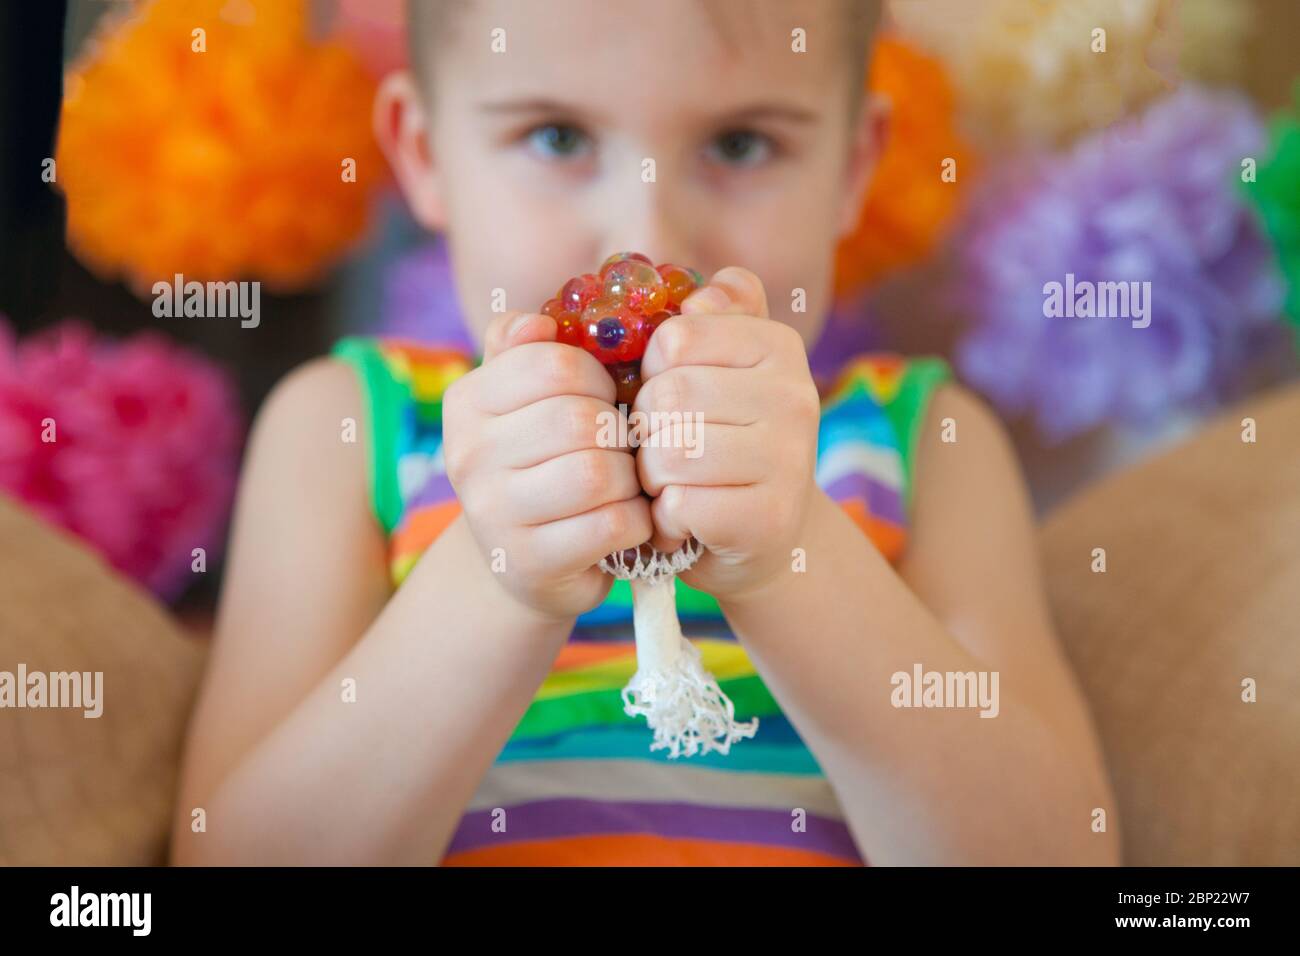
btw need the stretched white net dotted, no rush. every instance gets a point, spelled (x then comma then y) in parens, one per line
(680, 700)
(647, 564)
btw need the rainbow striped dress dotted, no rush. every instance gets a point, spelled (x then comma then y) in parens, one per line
(577, 781)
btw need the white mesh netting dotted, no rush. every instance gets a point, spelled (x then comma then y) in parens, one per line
(680, 700)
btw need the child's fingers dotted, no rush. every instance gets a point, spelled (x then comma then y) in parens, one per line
(556, 426)
(666, 543)
(581, 541)
(730, 290)
(719, 455)
(509, 329)
(700, 511)
(572, 484)
(730, 341)
(670, 527)
(533, 371)
(722, 395)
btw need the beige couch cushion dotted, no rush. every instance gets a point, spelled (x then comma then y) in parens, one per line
(73, 790)
(1201, 591)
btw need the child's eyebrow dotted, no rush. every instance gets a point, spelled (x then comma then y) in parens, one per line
(525, 106)
(773, 111)
(539, 106)
(790, 113)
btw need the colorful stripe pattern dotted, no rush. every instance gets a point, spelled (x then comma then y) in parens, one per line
(577, 784)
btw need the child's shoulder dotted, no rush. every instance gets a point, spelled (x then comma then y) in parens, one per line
(321, 386)
(944, 432)
(305, 413)
(400, 384)
(889, 379)
(327, 407)
(325, 388)
(300, 471)
(392, 372)
(898, 390)
(961, 463)
(335, 426)
(423, 366)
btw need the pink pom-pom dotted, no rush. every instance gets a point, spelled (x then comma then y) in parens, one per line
(133, 446)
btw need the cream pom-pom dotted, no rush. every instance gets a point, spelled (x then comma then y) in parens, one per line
(1032, 72)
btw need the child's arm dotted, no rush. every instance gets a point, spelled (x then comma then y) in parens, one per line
(938, 786)
(917, 785)
(285, 767)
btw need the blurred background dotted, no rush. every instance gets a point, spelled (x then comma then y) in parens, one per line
(1026, 145)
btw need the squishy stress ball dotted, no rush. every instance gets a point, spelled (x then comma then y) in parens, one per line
(612, 314)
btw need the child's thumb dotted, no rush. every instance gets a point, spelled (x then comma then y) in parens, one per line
(733, 290)
(509, 329)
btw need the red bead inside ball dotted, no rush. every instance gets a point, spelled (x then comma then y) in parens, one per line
(612, 313)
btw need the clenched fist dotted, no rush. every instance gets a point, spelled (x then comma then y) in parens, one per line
(741, 486)
(522, 439)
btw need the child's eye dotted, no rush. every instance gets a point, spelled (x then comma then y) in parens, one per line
(741, 147)
(558, 141)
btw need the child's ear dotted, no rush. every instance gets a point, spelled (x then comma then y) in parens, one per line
(869, 136)
(403, 132)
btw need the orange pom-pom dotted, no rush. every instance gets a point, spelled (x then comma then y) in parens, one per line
(222, 154)
(908, 203)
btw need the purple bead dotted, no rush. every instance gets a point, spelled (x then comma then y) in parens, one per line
(609, 332)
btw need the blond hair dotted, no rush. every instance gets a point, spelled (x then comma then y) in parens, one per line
(437, 20)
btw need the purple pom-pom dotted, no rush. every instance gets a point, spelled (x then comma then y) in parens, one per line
(1153, 200)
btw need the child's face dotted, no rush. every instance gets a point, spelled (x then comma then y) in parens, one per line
(635, 126)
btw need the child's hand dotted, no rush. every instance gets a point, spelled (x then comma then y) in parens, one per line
(744, 491)
(520, 436)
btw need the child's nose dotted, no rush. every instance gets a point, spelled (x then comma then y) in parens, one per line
(654, 224)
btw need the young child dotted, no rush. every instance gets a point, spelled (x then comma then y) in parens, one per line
(472, 715)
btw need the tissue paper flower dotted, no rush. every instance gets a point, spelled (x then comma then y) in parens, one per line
(850, 330)
(1211, 38)
(908, 204)
(132, 446)
(1027, 70)
(376, 30)
(1155, 203)
(1276, 194)
(219, 155)
(419, 298)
